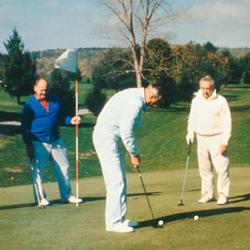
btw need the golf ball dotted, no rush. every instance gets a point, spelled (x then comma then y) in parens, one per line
(160, 223)
(196, 217)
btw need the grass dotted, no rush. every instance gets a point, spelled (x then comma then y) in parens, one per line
(161, 140)
(163, 149)
(64, 226)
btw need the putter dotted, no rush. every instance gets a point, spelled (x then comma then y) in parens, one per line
(145, 192)
(160, 223)
(185, 175)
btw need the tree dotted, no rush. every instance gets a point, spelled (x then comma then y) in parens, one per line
(2, 64)
(137, 20)
(189, 67)
(113, 71)
(158, 69)
(59, 85)
(95, 100)
(209, 47)
(20, 69)
(246, 77)
(194, 61)
(244, 64)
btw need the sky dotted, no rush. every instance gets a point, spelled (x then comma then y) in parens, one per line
(51, 24)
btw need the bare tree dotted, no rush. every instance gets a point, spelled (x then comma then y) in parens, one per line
(137, 19)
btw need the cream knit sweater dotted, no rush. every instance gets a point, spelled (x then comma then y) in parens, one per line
(210, 116)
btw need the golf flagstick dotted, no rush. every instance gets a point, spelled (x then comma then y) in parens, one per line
(68, 61)
(77, 144)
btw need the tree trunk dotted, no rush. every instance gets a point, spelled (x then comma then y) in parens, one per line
(136, 67)
(138, 80)
(19, 100)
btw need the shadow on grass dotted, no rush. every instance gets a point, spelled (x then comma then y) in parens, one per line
(191, 214)
(231, 97)
(244, 108)
(10, 129)
(9, 116)
(56, 202)
(239, 198)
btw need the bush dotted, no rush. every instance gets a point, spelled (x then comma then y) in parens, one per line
(95, 100)
(59, 85)
(247, 77)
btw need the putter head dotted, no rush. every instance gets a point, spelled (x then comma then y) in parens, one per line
(181, 203)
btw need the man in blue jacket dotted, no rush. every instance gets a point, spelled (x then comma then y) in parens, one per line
(40, 121)
(116, 122)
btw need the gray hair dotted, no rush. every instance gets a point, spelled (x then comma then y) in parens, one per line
(207, 78)
(154, 90)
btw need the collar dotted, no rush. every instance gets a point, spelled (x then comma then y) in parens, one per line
(199, 94)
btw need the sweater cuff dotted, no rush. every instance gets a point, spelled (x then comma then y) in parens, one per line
(68, 120)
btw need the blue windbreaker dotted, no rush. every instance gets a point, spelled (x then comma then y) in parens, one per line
(39, 124)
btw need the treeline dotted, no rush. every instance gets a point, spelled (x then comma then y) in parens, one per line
(176, 68)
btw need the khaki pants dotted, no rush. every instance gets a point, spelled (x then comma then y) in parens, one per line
(209, 157)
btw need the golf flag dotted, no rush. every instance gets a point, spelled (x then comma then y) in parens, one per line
(67, 61)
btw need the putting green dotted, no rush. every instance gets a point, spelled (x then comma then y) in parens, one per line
(65, 226)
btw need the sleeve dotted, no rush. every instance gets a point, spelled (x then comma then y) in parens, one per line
(227, 123)
(26, 120)
(127, 123)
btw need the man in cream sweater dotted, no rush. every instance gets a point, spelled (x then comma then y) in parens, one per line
(210, 121)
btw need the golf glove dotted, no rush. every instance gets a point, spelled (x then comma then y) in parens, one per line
(189, 138)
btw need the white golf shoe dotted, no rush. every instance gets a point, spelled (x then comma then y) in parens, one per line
(73, 200)
(120, 228)
(222, 199)
(206, 198)
(43, 203)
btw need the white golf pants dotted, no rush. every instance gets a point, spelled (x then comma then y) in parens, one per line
(107, 146)
(55, 152)
(209, 156)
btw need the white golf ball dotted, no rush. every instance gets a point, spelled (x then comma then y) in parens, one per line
(196, 217)
(160, 223)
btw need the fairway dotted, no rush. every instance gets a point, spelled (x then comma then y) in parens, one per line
(64, 226)
(161, 139)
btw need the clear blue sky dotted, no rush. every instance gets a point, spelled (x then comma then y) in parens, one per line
(47, 24)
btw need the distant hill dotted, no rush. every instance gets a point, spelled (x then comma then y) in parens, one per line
(88, 57)
(237, 52)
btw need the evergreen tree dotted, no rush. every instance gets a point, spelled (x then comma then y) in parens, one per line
(20, 69)
(95, 100)
(59, 85)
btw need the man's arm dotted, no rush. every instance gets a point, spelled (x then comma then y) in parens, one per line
(190, 125)
(128, 119)
(26, 119)
(227, 128)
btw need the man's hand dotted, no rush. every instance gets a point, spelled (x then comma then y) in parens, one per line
(189, 138)
(223, 149)
(135, 160)
(76, 120)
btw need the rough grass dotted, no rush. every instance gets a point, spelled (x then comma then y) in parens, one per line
(64, 226)
(161, 140)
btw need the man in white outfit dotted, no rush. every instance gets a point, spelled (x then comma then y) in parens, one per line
(210, 120)
(116, 122)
